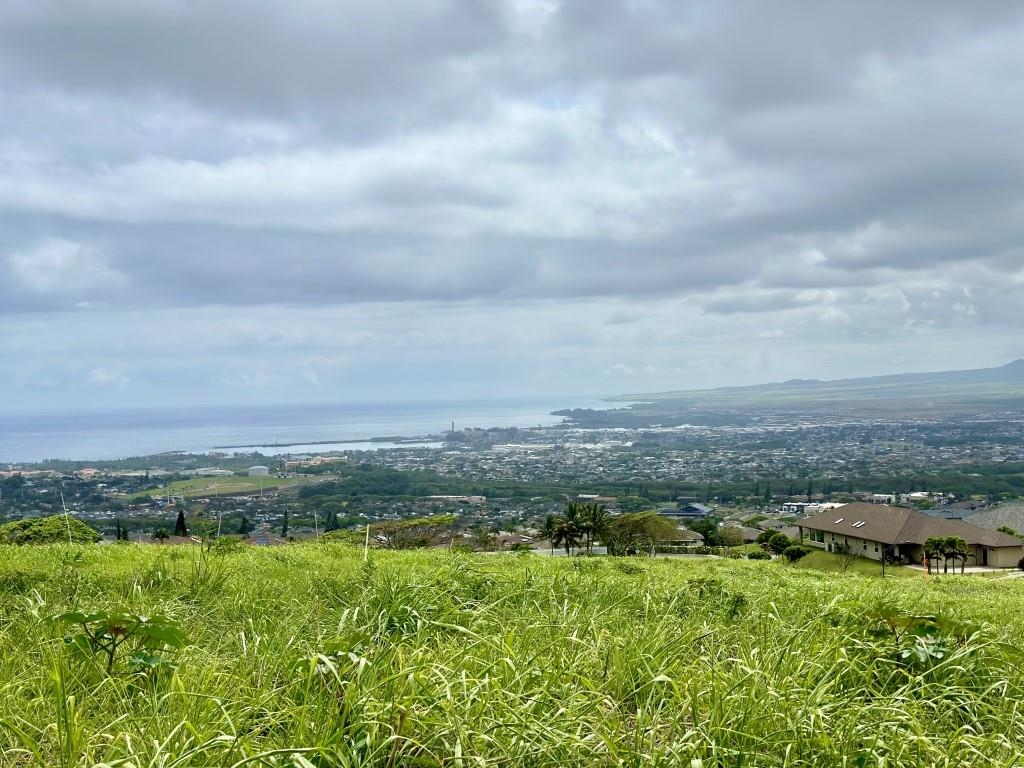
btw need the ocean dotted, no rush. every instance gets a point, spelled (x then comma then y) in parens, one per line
(97, 435)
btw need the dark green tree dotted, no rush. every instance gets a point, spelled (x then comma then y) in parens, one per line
(794, 552)
(180, 529)
(332, 521)
(764, 536)
(284, 524)
(778, 542)
(708, 528)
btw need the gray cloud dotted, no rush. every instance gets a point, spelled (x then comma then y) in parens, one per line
(650, 190)
(307, 56)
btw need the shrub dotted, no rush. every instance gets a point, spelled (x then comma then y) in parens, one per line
(794, 552)
(1020, 563)
(48, 530)
(759, 555)
(764, 536)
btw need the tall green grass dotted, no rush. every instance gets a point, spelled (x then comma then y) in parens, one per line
(306, 655)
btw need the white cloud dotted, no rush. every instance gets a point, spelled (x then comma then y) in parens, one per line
(107, 377)
(58, 266)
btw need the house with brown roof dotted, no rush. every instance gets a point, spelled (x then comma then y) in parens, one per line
(878, 530)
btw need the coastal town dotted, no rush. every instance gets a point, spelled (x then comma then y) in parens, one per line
(500, 484)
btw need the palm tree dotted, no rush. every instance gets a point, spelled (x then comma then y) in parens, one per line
(596, 523)
(933, 547)
(956, 548)
(548, 531)
(573, 512)
(567, 529)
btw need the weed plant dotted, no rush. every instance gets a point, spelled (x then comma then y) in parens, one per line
(308, 656)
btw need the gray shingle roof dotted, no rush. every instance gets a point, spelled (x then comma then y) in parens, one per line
(1005, 514)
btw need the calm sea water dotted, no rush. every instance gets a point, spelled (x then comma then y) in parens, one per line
(117, 434)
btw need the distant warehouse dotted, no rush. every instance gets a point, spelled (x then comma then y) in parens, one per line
(259, 471)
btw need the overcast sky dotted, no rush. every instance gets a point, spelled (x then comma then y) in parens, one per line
(313, 200)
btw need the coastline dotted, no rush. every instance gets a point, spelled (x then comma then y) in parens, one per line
(119, 434)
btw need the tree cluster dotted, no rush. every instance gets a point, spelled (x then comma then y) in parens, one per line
(578, 525)
(775, 541)
(413, 533)
(947, 548)
(638, 533)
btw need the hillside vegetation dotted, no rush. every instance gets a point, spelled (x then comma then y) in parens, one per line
(304, 655)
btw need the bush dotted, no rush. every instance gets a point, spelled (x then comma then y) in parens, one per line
(759, 555)
(48, 530)
(1020, 563)
(795, 552)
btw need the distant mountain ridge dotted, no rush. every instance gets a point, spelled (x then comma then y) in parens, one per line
(974, 391)
(936, 382)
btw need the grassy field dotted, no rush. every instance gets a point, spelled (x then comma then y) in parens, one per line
(306, 656)
(199, 487)
(826, 561)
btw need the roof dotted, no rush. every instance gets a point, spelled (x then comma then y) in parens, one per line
(792, 531)
(1005, 514)
(689, 511)
(686, 534)
(900, 525)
